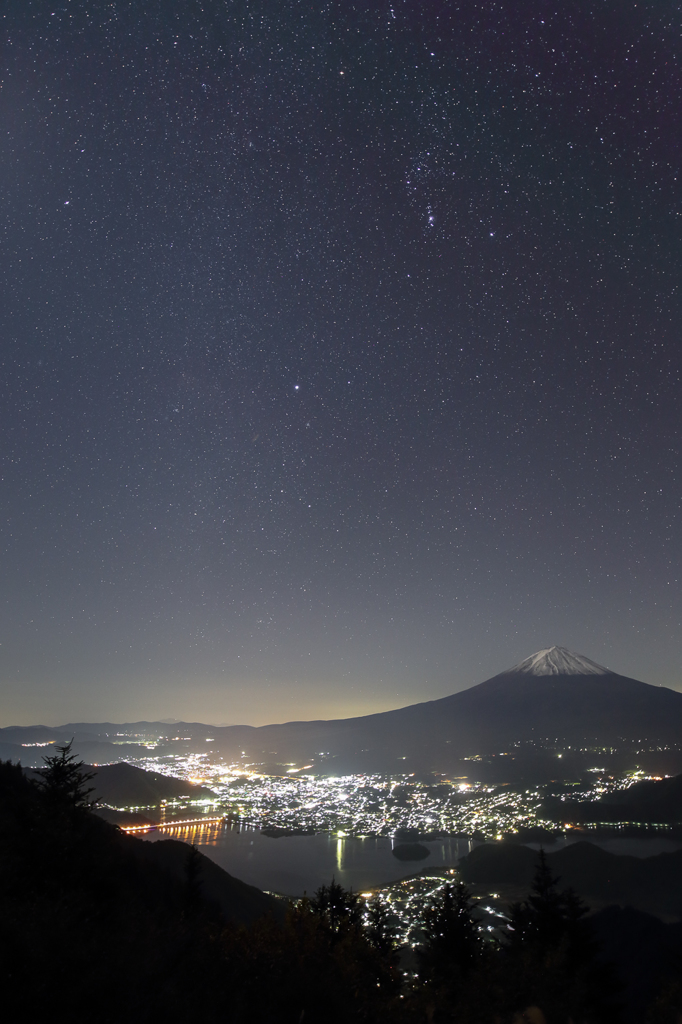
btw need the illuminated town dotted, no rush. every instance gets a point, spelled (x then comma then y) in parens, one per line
(363, 805)
(399, 806)
(408, 899)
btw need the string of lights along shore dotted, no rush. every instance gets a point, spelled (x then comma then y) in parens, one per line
(340, 352)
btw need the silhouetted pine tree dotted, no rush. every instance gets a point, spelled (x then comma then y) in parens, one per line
(64, 779)
(307, 971)
(550, 956)
(339, 907)
(379, 927)
(452, 943)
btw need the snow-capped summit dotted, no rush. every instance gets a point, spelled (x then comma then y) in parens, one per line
(557, 661)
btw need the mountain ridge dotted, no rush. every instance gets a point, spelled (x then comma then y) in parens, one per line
(533, 703)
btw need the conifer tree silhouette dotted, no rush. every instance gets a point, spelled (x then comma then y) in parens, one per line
(65, 780)
(452, 943)
(338, 906)
(380, 930)
(549, 916)
(551, 954)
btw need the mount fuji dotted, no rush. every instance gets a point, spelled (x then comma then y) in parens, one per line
(557, 661)
(554, 700)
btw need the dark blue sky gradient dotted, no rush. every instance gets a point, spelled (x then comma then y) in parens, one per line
(340, 350)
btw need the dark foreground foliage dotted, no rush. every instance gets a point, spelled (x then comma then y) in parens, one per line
(93, 929)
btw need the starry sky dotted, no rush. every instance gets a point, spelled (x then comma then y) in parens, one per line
(340, 351)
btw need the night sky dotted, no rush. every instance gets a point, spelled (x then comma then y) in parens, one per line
(340, 351)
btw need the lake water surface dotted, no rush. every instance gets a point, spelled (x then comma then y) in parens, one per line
(296, 864)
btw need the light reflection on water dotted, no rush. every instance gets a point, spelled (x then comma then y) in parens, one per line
(297, 864)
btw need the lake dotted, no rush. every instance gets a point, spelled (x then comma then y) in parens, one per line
(296, 864)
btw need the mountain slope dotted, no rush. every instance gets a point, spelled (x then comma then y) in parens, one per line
(237, 901)
(653, 801)
(553, 697)
(556, 698)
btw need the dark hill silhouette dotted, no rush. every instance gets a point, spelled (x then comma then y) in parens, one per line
(165, 858)
(656, 801)
(124, 785)
(642, 947)
(237, 901)
(552, 697)
(661, 798)
(107, 926)
(651, 884)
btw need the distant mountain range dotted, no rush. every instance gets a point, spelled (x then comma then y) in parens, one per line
(554, 699)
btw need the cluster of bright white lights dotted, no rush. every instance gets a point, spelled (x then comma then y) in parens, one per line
(362, 805)
(351, 805)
